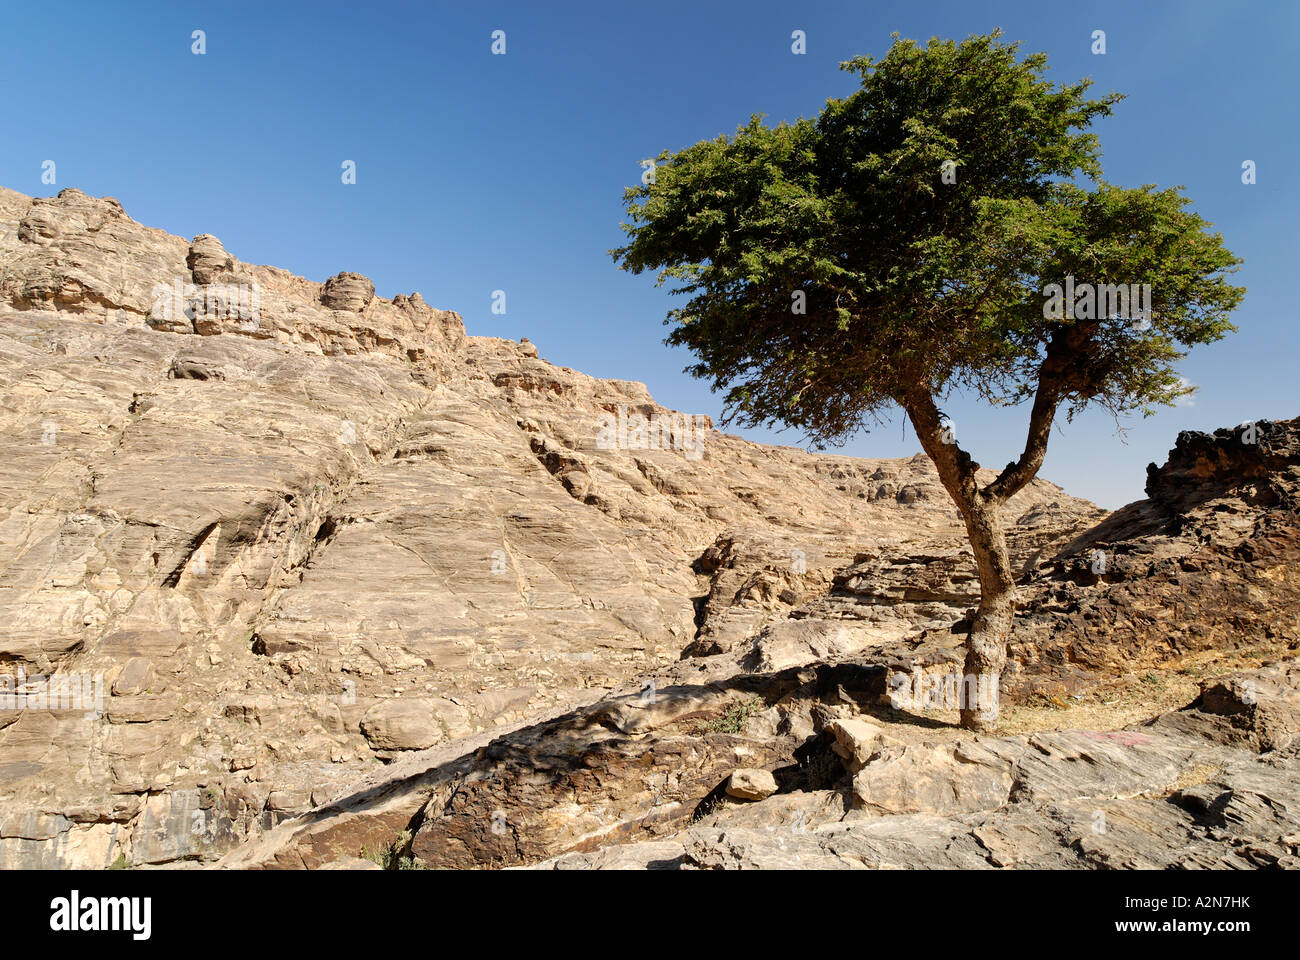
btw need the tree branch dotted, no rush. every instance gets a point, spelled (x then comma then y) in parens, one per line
(1055, 376)
(955, 466)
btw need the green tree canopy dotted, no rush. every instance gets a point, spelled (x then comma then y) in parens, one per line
(909, 280)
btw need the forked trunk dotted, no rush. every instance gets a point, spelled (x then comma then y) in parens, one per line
(986, 650)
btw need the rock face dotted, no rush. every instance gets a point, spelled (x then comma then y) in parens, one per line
(208, 260)
(347, 291)
(750, 784)
(1191, 789)
(647, 778)
(1208, 562)
(289, 571)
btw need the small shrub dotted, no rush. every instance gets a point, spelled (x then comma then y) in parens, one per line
(735, 718)
(396, 856)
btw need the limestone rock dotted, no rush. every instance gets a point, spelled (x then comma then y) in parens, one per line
(750, 784)
(348, 291)
(1059, 800)
(858, 741)
(208, 261)
(186, 369)
(135, 677)
(350, 863)
(401, 725)
(1200, 566)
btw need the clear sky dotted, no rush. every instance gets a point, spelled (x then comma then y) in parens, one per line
(477, 172)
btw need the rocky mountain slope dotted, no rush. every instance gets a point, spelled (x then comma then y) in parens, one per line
(794, 752)
(355, 582)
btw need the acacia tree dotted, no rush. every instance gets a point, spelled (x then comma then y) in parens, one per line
(901, 246)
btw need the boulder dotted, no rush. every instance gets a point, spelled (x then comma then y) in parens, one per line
(347, 291)
(401, 725)
(750, 784)
(208, 261)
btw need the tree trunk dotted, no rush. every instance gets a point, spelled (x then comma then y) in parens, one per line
(986, 650)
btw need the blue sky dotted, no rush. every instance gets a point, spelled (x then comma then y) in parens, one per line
(478, 172)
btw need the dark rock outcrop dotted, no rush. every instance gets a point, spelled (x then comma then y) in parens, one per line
(1207, 563)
